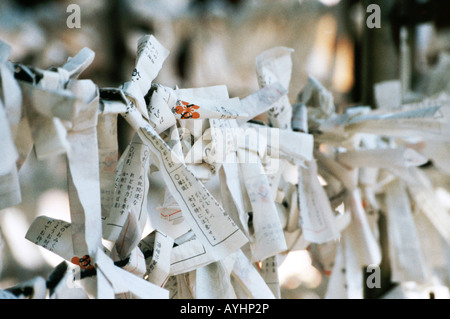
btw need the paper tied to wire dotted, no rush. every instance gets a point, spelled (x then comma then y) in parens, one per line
(204, 200)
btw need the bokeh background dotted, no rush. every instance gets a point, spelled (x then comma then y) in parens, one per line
(211, 43)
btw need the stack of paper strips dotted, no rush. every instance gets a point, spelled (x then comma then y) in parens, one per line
(212, 193)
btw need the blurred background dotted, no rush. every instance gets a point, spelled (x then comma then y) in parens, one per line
(214, 42)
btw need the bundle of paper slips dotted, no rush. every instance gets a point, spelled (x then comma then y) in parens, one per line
(213, 192)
